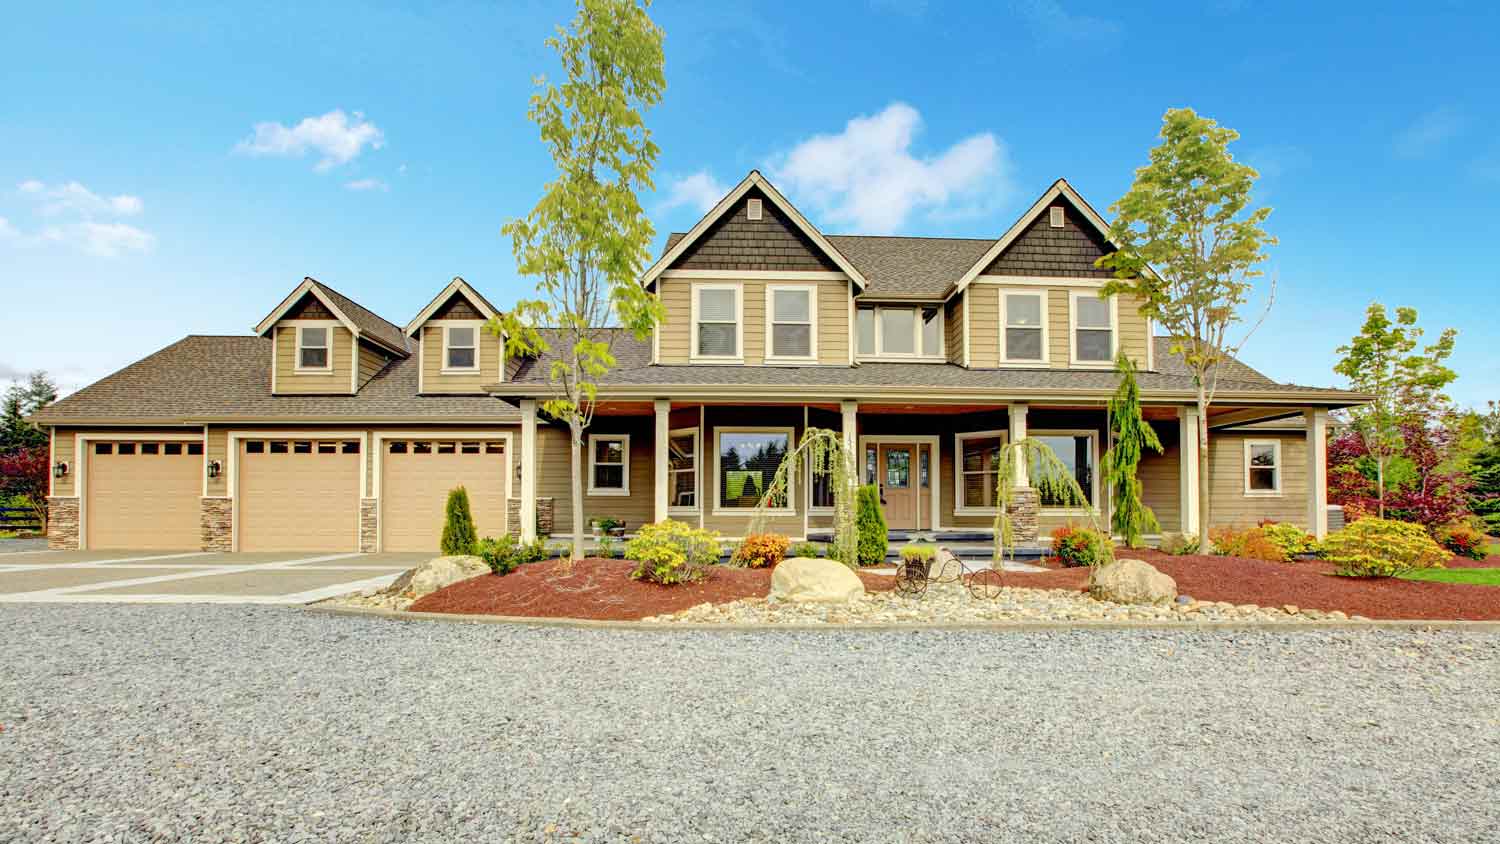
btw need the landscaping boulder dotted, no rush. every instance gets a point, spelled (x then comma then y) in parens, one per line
(1131, 582)
(810, 580)
(435, 574)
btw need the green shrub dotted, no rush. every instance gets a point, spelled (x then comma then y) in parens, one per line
(760, 550)
(1179, 544)
(1463, 539)
(1079, 546)
(805, 549)
(506, 554)
(672, 552)
(869, 526)
(605, 547)
(1373, 547)
(1291, 539)
(459, 536)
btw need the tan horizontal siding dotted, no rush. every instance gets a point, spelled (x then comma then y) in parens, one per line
(984, 330)
(371, 361)
(675, 331)
(435, 381)
(833, 322)
(953, 325)
(1230, 506)
(1134, 337)
(64, 449)
(217, 448)
(983, 307)
(554, 458)
(340, 352)
(1161, 481)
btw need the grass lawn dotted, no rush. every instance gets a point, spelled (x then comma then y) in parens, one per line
(1480, 577)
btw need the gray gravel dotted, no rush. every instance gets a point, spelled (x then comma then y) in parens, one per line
(211, 723)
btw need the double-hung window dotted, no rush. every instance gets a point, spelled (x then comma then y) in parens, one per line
(460, 348)
(1093, 328)
(609, 464)
(979, 455)
(1262, 467)
(1023, 332)
(312, 348)
(791, 316)
(682, 469)
(716, 322)
(886, 331)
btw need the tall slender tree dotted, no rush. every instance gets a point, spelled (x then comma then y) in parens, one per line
(1130, 436)
(587, 240)
(1189, 248)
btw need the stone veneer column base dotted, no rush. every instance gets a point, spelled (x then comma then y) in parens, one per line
(369, 525)
(1024, 510)
(62, 524)
(216, 524)
(543, 516)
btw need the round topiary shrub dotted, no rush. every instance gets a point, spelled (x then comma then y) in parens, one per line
(1374, 547)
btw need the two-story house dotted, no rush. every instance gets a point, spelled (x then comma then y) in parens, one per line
(331, 428)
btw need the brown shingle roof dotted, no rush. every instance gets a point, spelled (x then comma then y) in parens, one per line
(203, 378)
(370, 323)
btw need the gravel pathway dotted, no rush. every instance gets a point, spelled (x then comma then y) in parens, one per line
(131, 723)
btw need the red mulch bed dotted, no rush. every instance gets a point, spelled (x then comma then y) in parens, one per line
(599, 589)
(1309, 585)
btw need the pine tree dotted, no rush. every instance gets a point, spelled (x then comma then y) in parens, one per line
(1132, 436)
(459, 535)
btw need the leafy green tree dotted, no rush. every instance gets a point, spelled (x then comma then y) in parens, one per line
(1405, 383)
(1189, 248)
(1130, 436)
(459, 536)
(587, 239)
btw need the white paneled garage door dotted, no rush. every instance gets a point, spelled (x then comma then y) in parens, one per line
(143, 494)
(415, 478)
(298, 495)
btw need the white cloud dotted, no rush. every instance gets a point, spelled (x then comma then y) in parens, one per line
(106, 240)
(74, 198)
(332, 135)
(866, 177)
(1428, 132)
(367, 184)
(8, 231)
(1051, 23)
(699, 191)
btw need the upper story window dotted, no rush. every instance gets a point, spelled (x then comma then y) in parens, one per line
(460, 348)
(312, 348)
(716, 323)
(1093, 328)
(1023, 326)
(791, 320)
(893, 331)
(1262, 467)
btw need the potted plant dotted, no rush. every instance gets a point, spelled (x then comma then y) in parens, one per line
(609, 526)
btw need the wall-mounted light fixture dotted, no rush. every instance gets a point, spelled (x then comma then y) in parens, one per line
(214, 468)
(60, 470)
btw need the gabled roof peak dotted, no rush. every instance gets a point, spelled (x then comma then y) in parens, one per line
(359, 320)
(456, 287)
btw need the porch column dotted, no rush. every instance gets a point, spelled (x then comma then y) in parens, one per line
(850, 410)
(528, 470)
(1317, 470)
(663, 429)
(1187, 468)
(1018, 433)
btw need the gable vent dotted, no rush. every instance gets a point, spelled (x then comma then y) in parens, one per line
(1056, 216)
(752, 210)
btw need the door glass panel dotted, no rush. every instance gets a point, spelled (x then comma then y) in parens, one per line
(898, 468)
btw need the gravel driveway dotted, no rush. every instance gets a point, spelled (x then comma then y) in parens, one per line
(132, 723)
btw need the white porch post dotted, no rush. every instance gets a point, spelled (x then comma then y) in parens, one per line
(663, 408)
(1187, 469)
(528, 470)
(1017, 433)
(850, 411)
(1317, 470)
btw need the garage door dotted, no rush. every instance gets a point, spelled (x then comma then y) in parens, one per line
(143, 495)
(299, 495)
(415, 478)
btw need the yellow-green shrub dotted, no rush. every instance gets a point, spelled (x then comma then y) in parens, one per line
(672, 552)
(1374, 547)
(760, 550)
(1291, 539)
(1247, 543)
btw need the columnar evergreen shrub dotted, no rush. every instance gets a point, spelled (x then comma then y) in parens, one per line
(1373, 547)
(459, 536)
(672, 552)
(869, 526)
(760, 550)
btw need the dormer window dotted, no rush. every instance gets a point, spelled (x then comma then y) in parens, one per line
(312, 348)
(460, 348)
(899, 333)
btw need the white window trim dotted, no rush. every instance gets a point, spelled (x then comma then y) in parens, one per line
(1114, 331)
(1094, 480)
(958, 470)
(624, 440)
(1276, 452)
(739, 311)
(812, 315)
(449, 325)
(297, 367)
(697, 472)
(921, 355)
(791, 482)
(1046, 359)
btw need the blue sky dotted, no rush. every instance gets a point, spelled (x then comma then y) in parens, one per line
(168, 169)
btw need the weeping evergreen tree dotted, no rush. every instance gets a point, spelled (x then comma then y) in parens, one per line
(1053, 482)
(1132, 519)
(823, 451)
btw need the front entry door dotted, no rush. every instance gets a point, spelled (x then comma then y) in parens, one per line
(898, 487)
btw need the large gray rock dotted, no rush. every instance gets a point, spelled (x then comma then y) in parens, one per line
(809, 580)
(1131, 582)
(435, 574)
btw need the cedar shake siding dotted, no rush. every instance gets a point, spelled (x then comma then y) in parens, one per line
(736, 242)
(1041, 250)
(340, 353)
(309, 308)
(457, 307)
(676, 331)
